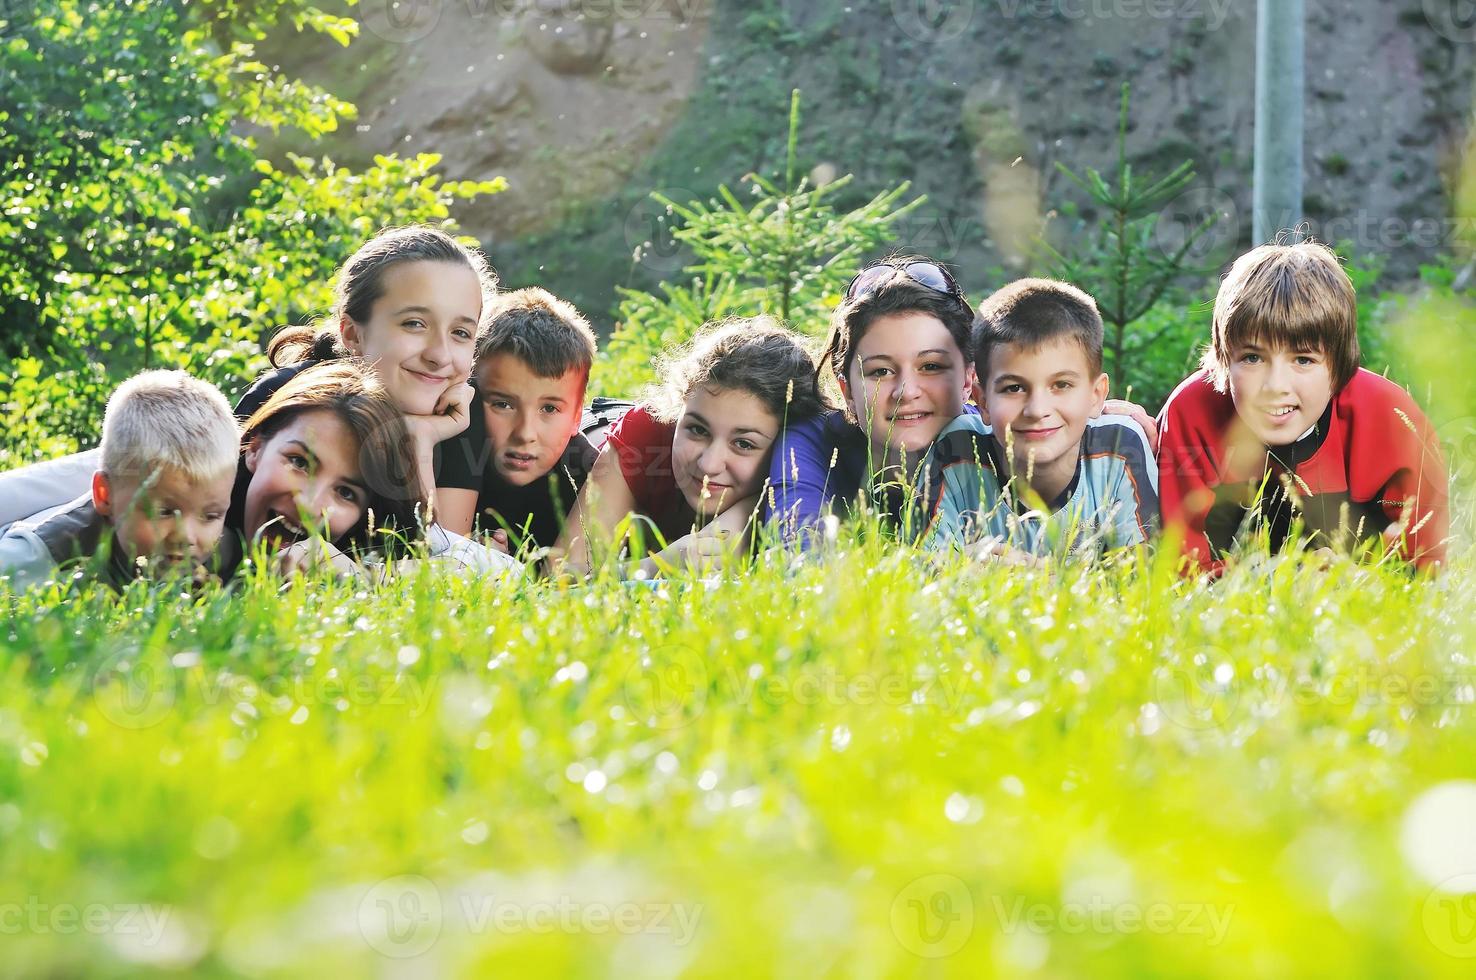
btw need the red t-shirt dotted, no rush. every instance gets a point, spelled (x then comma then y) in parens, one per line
(1372, 460)
(643, 445)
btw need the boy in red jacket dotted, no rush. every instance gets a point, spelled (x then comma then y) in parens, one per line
(1281, 424)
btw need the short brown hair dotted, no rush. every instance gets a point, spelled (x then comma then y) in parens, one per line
(1030, 312)
(1293, 296)
(753, 355)
(541, 330)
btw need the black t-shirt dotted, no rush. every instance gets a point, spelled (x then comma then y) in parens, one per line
(533, 515)
(454, 469)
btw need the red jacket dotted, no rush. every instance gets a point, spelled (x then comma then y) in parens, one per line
(1372, 460)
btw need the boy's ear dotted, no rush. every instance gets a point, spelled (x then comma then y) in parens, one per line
(352, 337)
(102, 494)
(252, 453)
(1099, 394)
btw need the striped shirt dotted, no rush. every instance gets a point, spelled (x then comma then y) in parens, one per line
(1112, 500)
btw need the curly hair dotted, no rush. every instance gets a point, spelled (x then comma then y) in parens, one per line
(750, 354)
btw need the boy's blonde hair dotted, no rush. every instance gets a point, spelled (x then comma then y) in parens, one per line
(168, 418)
(1293, 296)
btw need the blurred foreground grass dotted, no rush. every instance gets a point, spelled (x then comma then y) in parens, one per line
(848, 768)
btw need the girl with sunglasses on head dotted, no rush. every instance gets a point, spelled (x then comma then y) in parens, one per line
(898, 352)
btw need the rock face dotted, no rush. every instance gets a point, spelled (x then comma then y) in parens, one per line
(588, 105)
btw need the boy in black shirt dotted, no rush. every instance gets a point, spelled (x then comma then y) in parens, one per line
(528, 431)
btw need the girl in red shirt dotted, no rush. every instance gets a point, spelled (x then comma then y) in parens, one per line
(683, 472)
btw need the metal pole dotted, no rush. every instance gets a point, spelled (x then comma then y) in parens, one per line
(1280, 84)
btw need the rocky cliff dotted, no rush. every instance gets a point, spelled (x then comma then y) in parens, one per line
(586, 106)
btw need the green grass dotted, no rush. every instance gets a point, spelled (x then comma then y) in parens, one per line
(848, 768)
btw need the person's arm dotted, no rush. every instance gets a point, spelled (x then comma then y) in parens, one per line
(1186, 480)
(711, 546)
(603, 502)
(456, 509)
(450, 418)
(800, 478)
(1415, 497)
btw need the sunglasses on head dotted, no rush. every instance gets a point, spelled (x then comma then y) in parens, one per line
(928, 274)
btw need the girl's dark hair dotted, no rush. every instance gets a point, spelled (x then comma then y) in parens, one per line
(899, 294)
(753, 355)
(352, 392)
(361, 282)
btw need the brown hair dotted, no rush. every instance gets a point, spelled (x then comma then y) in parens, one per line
(751, 354)
(900, 294)
(1030, 312)
(361, 282)
(352, 392)
(1293, 296)
(541, 330)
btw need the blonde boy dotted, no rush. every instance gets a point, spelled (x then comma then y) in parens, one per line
(158, 502)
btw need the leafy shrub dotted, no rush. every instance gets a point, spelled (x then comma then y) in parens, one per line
(142, 230)
(789, 254)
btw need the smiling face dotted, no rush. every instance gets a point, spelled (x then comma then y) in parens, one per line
(169, 521)
(530, 420)
(1038, 403)
(421, 332)
(720, 451)
(1279, 393)
(907, 380)
(305, 477)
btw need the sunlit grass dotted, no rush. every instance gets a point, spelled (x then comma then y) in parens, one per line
(850, 766)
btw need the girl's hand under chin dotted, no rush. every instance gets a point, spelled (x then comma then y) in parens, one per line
(450, 418)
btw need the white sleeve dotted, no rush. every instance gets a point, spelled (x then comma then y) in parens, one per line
(467, 555)
(41, 486)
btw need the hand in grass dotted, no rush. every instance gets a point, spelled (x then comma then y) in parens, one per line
(1000, 552)
(311, 553)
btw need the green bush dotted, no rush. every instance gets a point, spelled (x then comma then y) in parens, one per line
(788, 254)
(143, 230)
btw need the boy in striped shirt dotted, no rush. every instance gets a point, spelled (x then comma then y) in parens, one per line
(1040, 470)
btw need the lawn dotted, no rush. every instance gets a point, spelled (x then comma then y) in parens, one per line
(850, 767)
